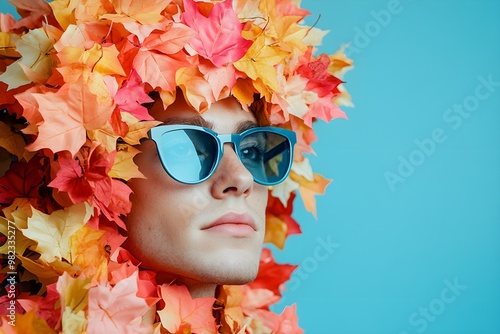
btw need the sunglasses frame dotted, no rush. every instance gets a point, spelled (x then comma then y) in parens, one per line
(235, 138)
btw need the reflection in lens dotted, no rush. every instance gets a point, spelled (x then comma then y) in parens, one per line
(188, 155)
(274, 161)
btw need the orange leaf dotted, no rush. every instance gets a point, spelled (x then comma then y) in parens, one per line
(180, 309)
(308, 189)
(67, 115)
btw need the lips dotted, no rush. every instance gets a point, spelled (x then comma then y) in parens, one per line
(234, 224)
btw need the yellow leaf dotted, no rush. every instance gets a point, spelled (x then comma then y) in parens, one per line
(137, 130)
(308, 189)
(124, 167)
(47, 273)
(275, 231)
(145, 11)
(35, 64)
(11, 230)
(88, 251)
(52, 232)
(105, 135)
(73, 291)
(64, 11)
(7, 47)
(259, 62)
(29, 323)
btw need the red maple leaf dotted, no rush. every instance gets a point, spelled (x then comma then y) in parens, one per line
(271, 276)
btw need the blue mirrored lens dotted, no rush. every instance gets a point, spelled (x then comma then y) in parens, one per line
(189, 155)
(267, 155)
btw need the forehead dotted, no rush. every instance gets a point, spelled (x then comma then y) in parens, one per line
(224, 116)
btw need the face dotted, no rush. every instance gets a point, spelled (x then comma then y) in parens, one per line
(207, 233)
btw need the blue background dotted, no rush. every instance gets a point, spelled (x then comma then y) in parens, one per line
(394, 250)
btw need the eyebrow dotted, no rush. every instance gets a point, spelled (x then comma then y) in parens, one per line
(199, 121)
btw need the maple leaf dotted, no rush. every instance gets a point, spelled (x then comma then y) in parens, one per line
(196, 89)
(289, 322)
(23, 179)
(170, 40)
(145, 11)
(32, 11)
(116, 309)
(67, 115)
(22, 243)
(88, 250)
(74, 299)
(320, 79)
(180, 309)
(218, 35)
(52, 232)
(323, 108)
(29, 323)
(279, 221)
(309, 188)
(259, 62)
(46, 273)
(231, 297)
(70, 178)
(158, 69)
(124, 167)
(131, 96)
(44, 307)
(221, 79)
(35, 64)
(271, 276)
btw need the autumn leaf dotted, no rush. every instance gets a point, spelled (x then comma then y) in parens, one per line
(309, 188)
(289, 322)
(137, 130)
(115, 309)
(272, 276)
(279, 221)
(67, 115)
(124, 167)
(130, 97)
(70, 179)
(181, 309)
(47, 273)
(35, 64)
(29, 323)
(88, 250)
(196, 89)
(259, 62)
(231, 297)
(143, 11)
(218, 35)
(23, 179)
(74, 299)
(33, 13)
(44, 307)
(52, 232)
(158, 69)
(21, 244)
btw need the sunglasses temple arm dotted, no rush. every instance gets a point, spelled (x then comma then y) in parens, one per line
(274, 151)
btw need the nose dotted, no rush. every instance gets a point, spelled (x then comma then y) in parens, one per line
(231, 178)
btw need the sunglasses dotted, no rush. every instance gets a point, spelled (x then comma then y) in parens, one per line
(190, 154)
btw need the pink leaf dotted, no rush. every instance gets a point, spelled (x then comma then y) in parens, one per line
(218, 35)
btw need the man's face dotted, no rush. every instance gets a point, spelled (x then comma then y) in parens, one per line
(171, 227)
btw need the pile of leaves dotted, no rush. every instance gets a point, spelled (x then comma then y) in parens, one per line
(75, 78)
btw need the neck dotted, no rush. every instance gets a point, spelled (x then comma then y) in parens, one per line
(196, 288)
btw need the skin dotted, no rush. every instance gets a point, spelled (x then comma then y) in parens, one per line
(165, 226)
